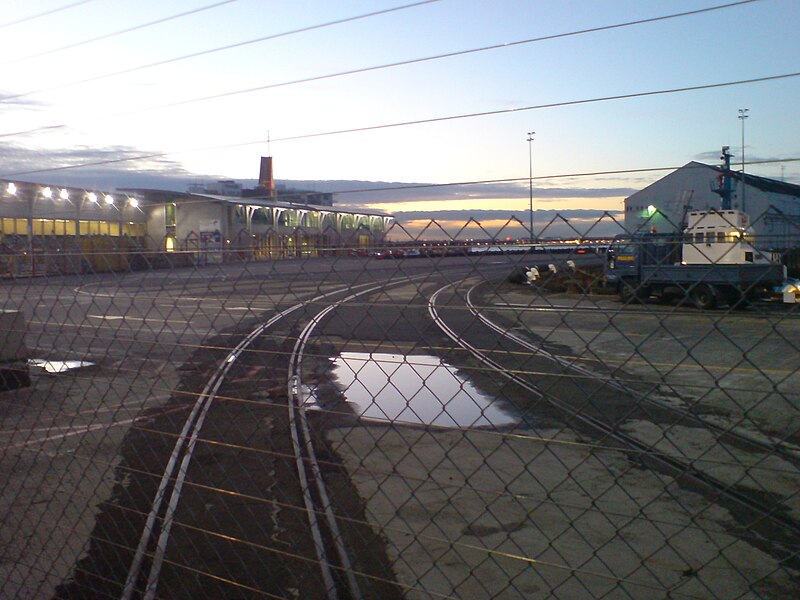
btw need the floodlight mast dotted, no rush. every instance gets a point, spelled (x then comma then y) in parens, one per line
(742, 116)
(530, 181)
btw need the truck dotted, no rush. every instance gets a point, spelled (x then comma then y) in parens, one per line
(712, 262)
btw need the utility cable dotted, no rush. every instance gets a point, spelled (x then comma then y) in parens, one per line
(417, 186)
(44, 14)
(221, 48)
(353, 71)
(408, 123)
(488, 113)
(457, 53)
(117, 33)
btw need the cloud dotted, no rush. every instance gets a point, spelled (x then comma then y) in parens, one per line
(360, 193)
(107, 168)
(499, 224)
(118, 167)
(713, 157)
(493, 215)
(12, 104)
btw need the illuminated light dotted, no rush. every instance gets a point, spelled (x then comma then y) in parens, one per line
(64, 194)
(12, 188)
(651, 210)
(134, 203)
(109, 199)
(92, 197)
(47, 192)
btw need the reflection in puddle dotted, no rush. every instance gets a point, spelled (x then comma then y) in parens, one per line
(58, 366)
(414, 389)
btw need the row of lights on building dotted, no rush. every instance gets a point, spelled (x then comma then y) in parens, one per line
(47, 192)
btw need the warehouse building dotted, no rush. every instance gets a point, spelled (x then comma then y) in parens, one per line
(233, 228)
(772, 206)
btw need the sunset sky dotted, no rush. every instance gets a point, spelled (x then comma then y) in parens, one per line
(354, 95)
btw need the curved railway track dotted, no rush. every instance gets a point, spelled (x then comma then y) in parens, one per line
(787, 452)
(768, 524)
(162, 512)
(345, 584)
(336, 569)
(772, 529)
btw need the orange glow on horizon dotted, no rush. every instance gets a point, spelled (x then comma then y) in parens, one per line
(519, 206)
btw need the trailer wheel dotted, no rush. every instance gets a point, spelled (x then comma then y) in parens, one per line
(704, 296)
(630, 292)
(733, 297)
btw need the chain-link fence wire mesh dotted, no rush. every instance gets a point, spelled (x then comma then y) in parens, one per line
(427, 419)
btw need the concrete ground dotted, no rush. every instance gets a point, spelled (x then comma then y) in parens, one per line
(61, 439)
(472, 514)
(547, 513)
(521, 512)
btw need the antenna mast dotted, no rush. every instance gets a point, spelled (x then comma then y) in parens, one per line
(726, 192)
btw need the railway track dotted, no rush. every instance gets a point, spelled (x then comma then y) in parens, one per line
(325, 559)
(142, 582)
(340, 582)
(325, 555)
(787, 452)
(768, 525)
(336, 568)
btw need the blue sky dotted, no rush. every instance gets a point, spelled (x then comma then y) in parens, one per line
(125, 115)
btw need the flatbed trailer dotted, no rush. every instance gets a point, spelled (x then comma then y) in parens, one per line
(705, 286)
(710, 263)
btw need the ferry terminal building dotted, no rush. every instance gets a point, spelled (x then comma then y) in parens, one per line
(47, 229)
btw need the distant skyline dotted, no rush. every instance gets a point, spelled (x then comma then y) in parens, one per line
(440, 92)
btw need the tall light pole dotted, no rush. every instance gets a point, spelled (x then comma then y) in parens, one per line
(742, 116)
(530, 177)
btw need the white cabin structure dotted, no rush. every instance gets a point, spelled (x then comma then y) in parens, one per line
(719, 237)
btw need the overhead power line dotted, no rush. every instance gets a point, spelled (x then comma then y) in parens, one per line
(489, 113)
(221, 48)
(570, 175)
(117, 33)
(422, 186)
(457, 53)
(372, 68)
(44, 14)
(415, 122)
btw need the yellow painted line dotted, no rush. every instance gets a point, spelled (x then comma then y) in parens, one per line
(696, 366)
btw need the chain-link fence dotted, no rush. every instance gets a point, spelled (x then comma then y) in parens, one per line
(465, 417)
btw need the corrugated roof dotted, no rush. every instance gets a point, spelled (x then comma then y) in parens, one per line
(765, 184)
(264, 202)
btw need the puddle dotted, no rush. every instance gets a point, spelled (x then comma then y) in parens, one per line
(414, 389)
(59, 366)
